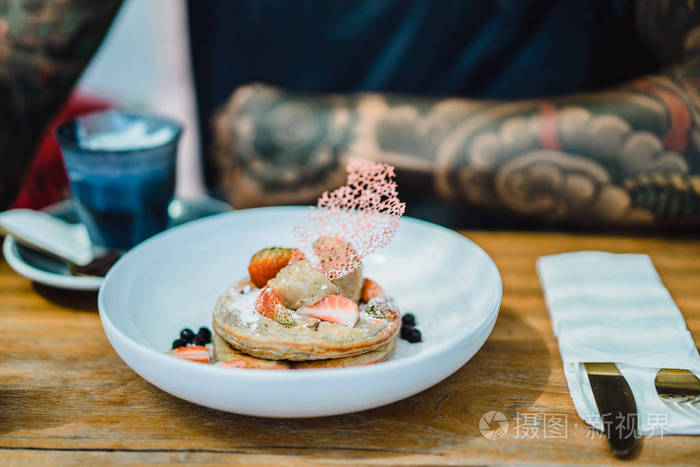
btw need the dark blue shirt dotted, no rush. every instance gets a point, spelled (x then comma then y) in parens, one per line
(482, 48)
(487, 48)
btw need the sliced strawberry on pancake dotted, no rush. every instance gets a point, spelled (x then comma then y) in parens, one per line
(370, 290)
(334, 309)
(270, 306)
(266, 263)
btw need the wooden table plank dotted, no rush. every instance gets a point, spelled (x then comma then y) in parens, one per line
(66, 397)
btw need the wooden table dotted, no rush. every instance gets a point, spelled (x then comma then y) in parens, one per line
(66, 397)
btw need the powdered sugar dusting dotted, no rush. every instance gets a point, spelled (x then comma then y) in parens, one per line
(353, 221)
(243, 304)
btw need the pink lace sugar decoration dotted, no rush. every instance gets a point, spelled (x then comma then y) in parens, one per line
(353, 221)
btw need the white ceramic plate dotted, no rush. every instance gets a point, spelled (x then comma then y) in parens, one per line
(173, 280)
(44, 269)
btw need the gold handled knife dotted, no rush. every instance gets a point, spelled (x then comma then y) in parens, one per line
(615, 402)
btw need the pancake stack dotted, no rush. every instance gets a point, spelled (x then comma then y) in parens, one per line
(295, 318)
(311, 307)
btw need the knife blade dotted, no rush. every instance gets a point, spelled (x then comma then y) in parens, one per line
(616, 405)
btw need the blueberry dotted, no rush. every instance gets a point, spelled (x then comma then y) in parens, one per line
(408, 320)
(205, 334)
(187, 335)
(200, 340)
(410, 334)
(179, 343)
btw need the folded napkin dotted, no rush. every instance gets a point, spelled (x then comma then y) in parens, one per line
(608, 307)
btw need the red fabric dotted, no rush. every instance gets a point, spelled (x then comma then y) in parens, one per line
(46, 182)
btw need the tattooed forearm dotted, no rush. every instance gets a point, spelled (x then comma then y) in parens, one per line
(44, 47)
(629, 155)
(624, 156)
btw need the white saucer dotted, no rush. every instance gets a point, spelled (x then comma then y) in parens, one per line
(50, 271)
(172, 281)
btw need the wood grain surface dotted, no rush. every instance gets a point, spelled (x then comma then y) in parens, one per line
(66, 397)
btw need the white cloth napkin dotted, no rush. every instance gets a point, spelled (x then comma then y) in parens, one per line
(608, 307)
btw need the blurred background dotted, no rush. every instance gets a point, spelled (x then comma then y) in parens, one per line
(496, 114)
(144, 63)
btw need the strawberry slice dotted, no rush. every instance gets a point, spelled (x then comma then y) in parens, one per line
(193, 353)
(334, 309)
(370, 290)
(266, 263)
(270, 306)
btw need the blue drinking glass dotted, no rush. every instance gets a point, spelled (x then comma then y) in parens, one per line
(121, 167)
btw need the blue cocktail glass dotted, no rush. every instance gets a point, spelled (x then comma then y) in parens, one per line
(121, 167)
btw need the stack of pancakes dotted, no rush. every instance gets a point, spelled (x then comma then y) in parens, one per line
(244, 338)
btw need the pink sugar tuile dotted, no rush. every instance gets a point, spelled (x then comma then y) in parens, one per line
(352, 221)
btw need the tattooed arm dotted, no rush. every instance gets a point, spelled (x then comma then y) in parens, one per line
(623, 156)
(44, 47)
